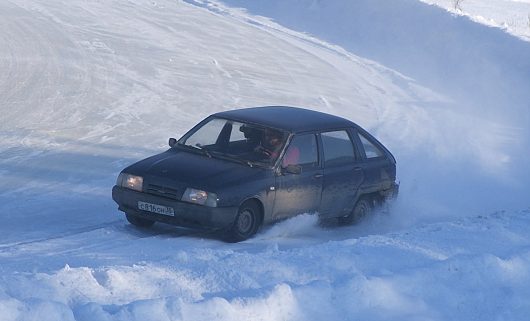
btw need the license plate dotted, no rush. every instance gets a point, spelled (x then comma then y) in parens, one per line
(155, 208)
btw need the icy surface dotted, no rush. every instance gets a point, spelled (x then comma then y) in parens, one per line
(88, 87)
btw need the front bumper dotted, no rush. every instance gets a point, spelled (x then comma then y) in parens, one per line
(186, 214)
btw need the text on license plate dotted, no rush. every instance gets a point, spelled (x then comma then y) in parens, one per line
(155, 208)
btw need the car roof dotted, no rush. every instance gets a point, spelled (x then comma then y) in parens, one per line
(292, 119)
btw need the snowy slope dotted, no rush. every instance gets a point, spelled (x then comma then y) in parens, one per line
(482, 120)
(88, 87)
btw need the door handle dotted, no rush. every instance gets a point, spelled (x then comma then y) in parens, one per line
(318, 175)
(359, 171)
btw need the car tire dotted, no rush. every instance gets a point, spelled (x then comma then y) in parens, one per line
(247, 222)
(360, 210)
(138, 221)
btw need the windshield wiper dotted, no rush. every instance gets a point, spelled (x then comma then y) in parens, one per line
(197, 148)
(220, 155)
(204, 150)
(234, 159)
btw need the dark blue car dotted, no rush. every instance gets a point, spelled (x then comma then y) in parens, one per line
(238, 170)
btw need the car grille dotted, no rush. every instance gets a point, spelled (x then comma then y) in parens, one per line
(162, 191)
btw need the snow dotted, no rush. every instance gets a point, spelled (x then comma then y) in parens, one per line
(88, 87)
(510, 15)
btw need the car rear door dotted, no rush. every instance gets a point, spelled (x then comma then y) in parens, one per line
(298, 193)
(343, 174)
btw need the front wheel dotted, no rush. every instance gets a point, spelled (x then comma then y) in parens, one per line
(360, 210)
(247, 222)
(138, 221)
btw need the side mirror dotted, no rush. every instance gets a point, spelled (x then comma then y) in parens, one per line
(172, 142)
(292, 169)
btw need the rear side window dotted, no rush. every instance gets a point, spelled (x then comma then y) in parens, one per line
(370, 149)
(338, 147)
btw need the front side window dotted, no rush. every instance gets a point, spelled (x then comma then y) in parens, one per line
(302, 151)
(238, 140)
(338, 147)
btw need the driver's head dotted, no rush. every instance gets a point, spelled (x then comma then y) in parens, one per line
(272, 139)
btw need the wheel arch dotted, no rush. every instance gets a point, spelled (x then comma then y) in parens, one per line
(259, 204)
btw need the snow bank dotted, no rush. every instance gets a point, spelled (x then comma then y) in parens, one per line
(471, 268)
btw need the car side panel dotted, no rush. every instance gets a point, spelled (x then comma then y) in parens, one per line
(380, 172)
(262, 189)
(340, 186)
(340, 189)
(298, 193)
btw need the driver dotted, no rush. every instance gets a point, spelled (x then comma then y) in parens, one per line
(271, 143)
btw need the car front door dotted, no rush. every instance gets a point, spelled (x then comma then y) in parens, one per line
(298, 193)
(343, 174)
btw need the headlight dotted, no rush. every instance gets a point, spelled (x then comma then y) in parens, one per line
(200, 197)
(130, 181)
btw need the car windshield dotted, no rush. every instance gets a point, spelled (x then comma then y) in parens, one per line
(243, 142)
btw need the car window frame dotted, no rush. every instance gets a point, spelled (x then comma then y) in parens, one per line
(356, 132)
(193, 130)
(319, 149)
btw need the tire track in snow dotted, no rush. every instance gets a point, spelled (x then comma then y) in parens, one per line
(10, 246)
(114, 233)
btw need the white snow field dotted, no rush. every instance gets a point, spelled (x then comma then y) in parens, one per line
(88, 87)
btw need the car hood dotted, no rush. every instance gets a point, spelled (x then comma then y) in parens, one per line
(178, 168)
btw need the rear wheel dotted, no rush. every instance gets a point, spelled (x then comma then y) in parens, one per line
(247, 222)
(138, 221)
(360, 210)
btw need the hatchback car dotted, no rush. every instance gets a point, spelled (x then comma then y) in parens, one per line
(238, 170)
